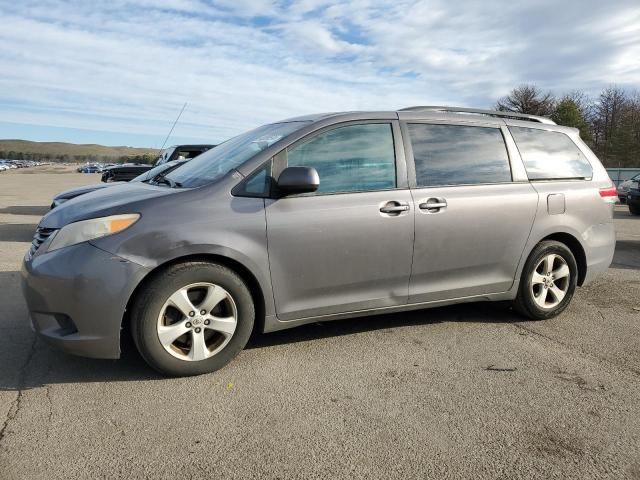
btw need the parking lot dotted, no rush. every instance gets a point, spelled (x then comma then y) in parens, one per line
(468, 391)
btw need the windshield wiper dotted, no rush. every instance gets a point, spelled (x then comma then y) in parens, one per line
(161, 179)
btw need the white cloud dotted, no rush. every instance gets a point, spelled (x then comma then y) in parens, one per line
(129, 65)
(313, 36)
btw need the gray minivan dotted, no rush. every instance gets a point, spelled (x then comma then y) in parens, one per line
(323, 217)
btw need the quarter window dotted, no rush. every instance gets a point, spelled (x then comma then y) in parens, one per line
(350, 159)
(550, 155)
(458, 155)
(257, 185)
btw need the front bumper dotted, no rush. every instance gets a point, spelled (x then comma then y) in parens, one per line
(77, 298)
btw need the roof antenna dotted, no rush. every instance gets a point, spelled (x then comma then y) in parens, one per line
(173, 126)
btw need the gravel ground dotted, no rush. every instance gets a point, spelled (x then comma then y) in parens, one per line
(468, 391)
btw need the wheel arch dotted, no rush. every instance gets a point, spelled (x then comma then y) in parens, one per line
(243, 271)
(576, 248)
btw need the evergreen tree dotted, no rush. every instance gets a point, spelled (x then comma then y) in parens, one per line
(567, 112)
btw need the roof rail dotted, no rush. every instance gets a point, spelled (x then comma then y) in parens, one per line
(491, 113)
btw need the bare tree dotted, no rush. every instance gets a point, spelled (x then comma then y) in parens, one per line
(527, 99)
(610, 123)
(582, 101)
(607, 116)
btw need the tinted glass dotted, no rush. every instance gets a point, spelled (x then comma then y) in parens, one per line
(217, 162)
(458, 155)
(350, 159)
(258, 184)
(550, 155)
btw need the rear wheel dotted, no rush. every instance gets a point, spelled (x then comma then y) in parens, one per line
(548, 281)
(194, 318)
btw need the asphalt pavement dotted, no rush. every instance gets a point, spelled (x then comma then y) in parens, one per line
(470, 391)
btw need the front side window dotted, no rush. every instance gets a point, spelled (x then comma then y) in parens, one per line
(550, 155)
(458, 155)
(353, 158)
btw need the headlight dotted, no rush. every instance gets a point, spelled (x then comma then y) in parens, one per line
(90, 229)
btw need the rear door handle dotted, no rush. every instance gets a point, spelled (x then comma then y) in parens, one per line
(433, 205)
(394, 208)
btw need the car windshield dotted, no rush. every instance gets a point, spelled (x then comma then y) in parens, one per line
(217, 162)
(155, 171)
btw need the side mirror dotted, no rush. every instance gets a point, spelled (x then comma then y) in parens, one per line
(294, 180)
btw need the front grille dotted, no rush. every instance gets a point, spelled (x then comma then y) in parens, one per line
(39, 238)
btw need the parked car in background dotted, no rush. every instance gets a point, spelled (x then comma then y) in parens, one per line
(185, 152)
(319, 218)
(624, 187)
(633, 198)
(8, 164)
(147, 176)
(13, 164)
(125, 173)
(104, 166)
(89, 169)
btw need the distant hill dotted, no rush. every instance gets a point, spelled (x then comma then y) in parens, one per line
(70, 152)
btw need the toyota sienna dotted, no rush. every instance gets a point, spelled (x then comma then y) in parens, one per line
(323, 217)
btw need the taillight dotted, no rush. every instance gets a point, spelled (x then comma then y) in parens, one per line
(609, 194)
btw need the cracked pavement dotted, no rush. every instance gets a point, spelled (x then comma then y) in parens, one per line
(469, 391)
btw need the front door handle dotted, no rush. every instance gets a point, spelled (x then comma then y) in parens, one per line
(394, 208)
(433, 205)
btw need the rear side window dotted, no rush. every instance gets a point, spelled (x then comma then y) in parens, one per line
(354, 158)
(550, 155)
(458, 155)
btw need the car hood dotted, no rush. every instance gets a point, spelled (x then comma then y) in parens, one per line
(74, 192)
(117, 199)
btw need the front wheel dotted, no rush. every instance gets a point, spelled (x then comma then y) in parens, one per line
(193, 318)
(548, 281)
(634, 209)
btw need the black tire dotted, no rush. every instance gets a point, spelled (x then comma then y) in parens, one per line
(524, 302)
(634, 210)
(148, 305)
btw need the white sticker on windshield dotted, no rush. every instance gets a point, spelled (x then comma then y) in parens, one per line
(266, 140)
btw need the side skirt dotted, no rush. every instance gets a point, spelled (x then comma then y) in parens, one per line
(272, 323)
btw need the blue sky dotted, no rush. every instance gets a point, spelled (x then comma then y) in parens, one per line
(118, 72)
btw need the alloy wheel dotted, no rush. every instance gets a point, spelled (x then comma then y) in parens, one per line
(197, 321)
(550, 281)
